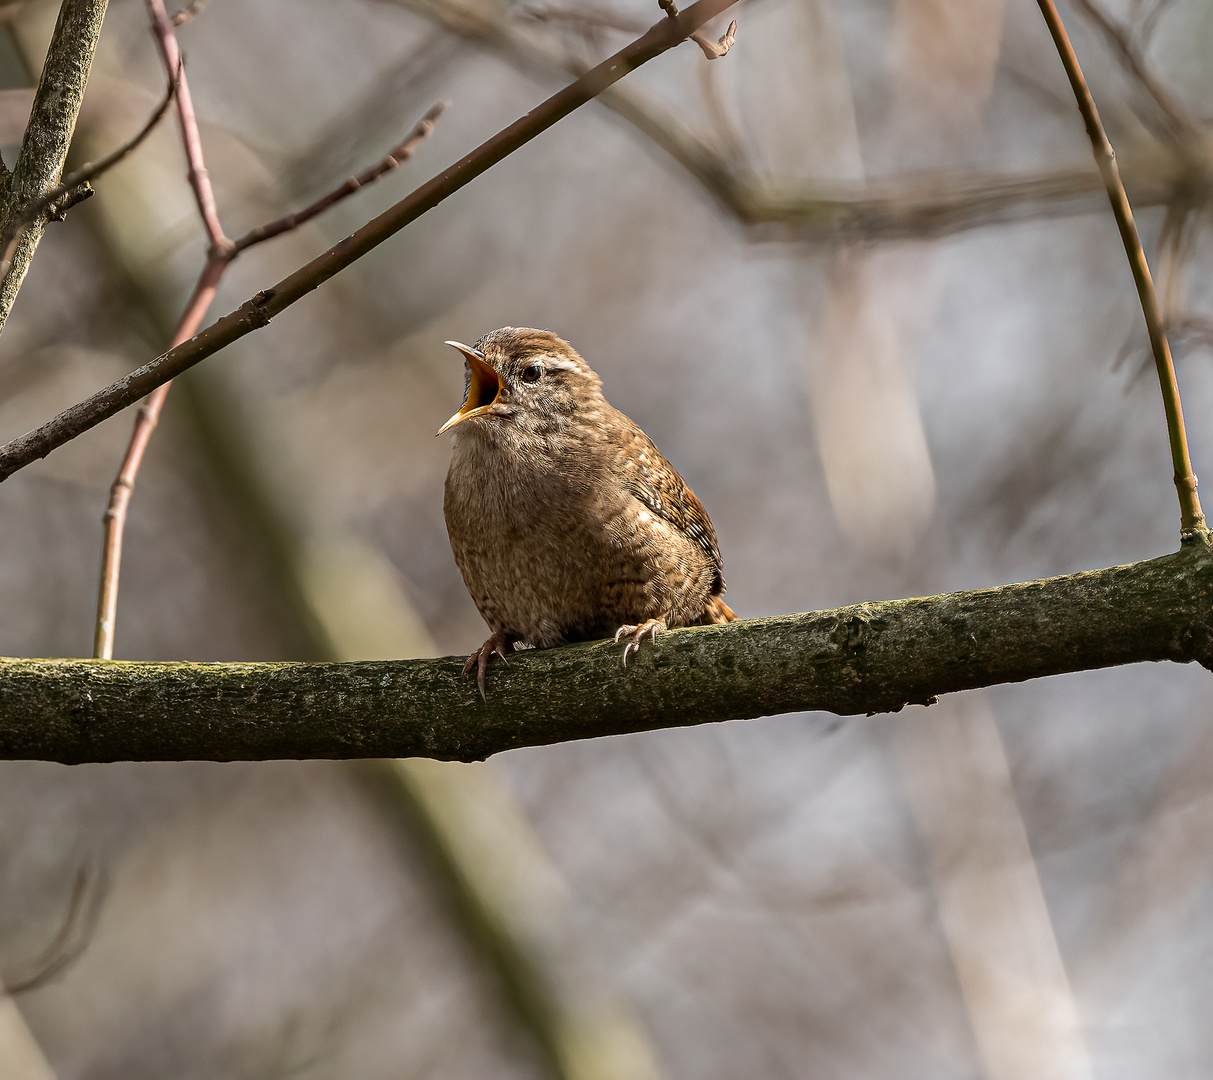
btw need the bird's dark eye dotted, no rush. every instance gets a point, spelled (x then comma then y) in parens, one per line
(531, 372)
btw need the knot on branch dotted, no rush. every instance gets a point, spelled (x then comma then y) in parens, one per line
(256, 312)
(852, 633)
(58, 209)
(713, 50)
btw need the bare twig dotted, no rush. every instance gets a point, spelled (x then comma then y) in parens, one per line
(713, 50)
(170, 55)
(260, 309)
(220, 252)
(914, 205)
(218, 248)
(220, 255)
(75, 181)
(1192, 520)
(114, 519)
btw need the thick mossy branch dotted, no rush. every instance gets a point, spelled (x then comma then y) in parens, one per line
(868, 658)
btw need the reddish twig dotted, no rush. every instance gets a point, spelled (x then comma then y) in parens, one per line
(114, 519)
(257, 311)
(220, 252)
(1192, 520)
(170, 55)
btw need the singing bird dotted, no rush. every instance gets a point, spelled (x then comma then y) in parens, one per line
(565, 520)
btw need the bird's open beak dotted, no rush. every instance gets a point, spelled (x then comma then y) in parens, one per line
(483, 387)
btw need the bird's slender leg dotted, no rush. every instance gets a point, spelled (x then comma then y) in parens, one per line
(499, 643)
(636, 633)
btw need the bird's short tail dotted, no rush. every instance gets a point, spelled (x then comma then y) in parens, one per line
(717, 611)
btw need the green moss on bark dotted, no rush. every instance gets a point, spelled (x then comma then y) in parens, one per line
(868, 658)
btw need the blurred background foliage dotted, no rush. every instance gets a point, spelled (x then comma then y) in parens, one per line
(858, 280)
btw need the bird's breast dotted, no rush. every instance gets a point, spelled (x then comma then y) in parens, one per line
(546, 547)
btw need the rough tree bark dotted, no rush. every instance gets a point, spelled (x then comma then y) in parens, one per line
(49, 133)
(874, 657)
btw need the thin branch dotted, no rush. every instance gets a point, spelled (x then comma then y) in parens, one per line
(81, 176)
(219, 248)
(148, 417)
(1192, 520)
(220, 253)
(394, 157)
(713, 50)
(875, 657)
(260, 309)
(123, 488)
(170, 55)
(915, 205)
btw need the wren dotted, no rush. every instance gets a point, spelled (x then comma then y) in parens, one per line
(565, 520)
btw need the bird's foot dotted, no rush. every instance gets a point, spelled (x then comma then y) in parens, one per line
(636, 634)
(479, 660)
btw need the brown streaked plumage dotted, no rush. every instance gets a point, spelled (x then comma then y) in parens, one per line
(565, 520)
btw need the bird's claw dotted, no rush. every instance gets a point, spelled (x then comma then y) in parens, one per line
(479, 660)
(637, 633)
